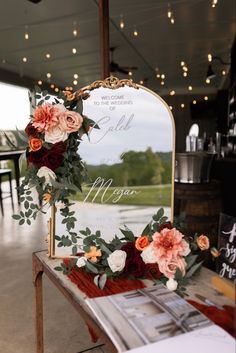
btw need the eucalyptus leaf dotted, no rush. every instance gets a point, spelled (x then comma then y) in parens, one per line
(91, 267)
(193, 269)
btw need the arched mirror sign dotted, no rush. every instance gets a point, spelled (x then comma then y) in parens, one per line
(129, 160)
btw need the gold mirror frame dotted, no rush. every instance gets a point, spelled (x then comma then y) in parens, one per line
(112, 83)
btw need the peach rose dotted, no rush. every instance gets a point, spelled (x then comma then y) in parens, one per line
(215, 252)
(35, 144)
(141, 242)
(70, 121)
(169, 267)
(203, 242)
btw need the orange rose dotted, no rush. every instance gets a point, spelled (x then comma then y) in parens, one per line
(47, 197)
(141, 242)
(35, 144)
(203, 242)
(93, 254)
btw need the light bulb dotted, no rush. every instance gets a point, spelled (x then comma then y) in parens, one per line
(194, 101)
(209, 57)
(169, 14)
(135, 32)
(208, 81)
(223, 72)
(163, 76)
(49, 75)
(162, 83)
(170, 106)
(122, 24)
(172, 20)
(48, 56)
(75, 33)
(141, 82)
(206, 98)
(26, 35)
(40, 83)
(76, 76)
(185, 74)
(74, 51)
(52, 85)
(182, 105)
(182, 63)
(158, 75)
(172, 93)
(24, 59)
(56, 89)
(185, 68)
(190, 88)
(75, 82)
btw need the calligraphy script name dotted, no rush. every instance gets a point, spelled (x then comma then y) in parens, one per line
(230, 254)
(101, 186)
(123, 124)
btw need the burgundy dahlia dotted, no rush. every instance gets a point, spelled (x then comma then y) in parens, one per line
(134, 265)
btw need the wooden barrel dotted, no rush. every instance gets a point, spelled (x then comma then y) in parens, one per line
(201, 204)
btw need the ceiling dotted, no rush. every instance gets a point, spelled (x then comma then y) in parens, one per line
(159, 47)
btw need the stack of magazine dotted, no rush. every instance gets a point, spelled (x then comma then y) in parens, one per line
(140, 318)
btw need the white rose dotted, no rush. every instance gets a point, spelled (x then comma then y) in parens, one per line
(55, 135)
(116, 260)
(47, 173)
(81, 261)
(186, 249)
(171, 284)
(148, 255)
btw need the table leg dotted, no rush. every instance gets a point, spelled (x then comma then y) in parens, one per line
(17, 174)
(37, 281)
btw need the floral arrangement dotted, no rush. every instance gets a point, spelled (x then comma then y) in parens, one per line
(161, 252)
(55, 168)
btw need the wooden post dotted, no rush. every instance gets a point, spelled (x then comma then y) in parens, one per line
(104, 38)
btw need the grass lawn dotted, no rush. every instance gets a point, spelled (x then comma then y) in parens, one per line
(133, 195)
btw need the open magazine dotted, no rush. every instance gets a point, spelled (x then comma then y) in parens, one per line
(142, 317)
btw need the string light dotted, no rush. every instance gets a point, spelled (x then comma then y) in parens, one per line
(185, 74)
(172, 20)
(49, 75)
(194, 101)
(75, 32)
(172, 93)
(206, 98)
(162, 83)
(163, 76)
(74, 51)
(40, 83)
(24, 59)
(170, 106)
(223, 72)
(141, 82)
(208, 81)
(214, 3)
(182, 105)
(76, 76)
(122, 24)
(185, 68)
(130, 73)
(48, 56)
(190, 88)
(56, 89)
(182, 63)
(209, 58)
(52, 85)
(135, 32)
(75, 82)
(158, 75)
(26, 35)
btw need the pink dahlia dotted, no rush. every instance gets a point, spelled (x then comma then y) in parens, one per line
(45, 117)
(169, 243)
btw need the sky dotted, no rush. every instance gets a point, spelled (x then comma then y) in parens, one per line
(15, 107)
(129, 119)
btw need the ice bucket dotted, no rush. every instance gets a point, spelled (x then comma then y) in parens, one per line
(193, 167)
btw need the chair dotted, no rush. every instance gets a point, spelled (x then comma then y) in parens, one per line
(7, 173)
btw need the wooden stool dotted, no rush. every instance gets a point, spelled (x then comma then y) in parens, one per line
(6, 172)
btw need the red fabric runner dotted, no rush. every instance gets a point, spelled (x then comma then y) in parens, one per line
(223, 318)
